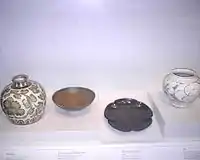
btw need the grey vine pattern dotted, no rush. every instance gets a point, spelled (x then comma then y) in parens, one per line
(34, 88)
(180, 89)
(12, 108)
(23, 106)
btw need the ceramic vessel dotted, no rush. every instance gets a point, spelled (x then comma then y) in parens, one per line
(182, 87)
(23, 101)
(73, 98)
(127, 114)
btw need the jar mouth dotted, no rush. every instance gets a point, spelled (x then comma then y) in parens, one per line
(183, 72)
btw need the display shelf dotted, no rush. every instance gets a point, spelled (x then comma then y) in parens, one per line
(179, 123)
(110, 135)
(86, 125)
(56, 126)
(86, 134)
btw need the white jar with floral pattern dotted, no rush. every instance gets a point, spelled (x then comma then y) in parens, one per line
(182, 87)
(23, 101)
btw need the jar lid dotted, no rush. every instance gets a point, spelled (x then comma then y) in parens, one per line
(20, 81)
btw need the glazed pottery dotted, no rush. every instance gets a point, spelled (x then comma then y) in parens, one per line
(182, 87)
(23, 101)
(128, 114)
(73, 98)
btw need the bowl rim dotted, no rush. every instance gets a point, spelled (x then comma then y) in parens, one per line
(73, 87)
(190, 71)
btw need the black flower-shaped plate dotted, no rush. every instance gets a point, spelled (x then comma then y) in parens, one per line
(128, 114)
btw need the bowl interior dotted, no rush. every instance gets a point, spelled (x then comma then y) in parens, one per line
(73, 98)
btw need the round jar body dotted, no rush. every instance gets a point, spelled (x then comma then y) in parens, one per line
(182, 87)
(23, 101)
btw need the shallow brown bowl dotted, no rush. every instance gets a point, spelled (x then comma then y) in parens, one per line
(73, 98)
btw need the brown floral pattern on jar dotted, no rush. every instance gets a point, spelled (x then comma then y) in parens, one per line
(39, 111)
(6, 95)
(12, 107)
(32, 98)
(17, 96)
(24, 91)
(24, 117)
(30, 111)
(7, 90)
(14, 91)
(20, 122)
(34, 88)
(42, 96)
(27, 121)
(26, 103)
